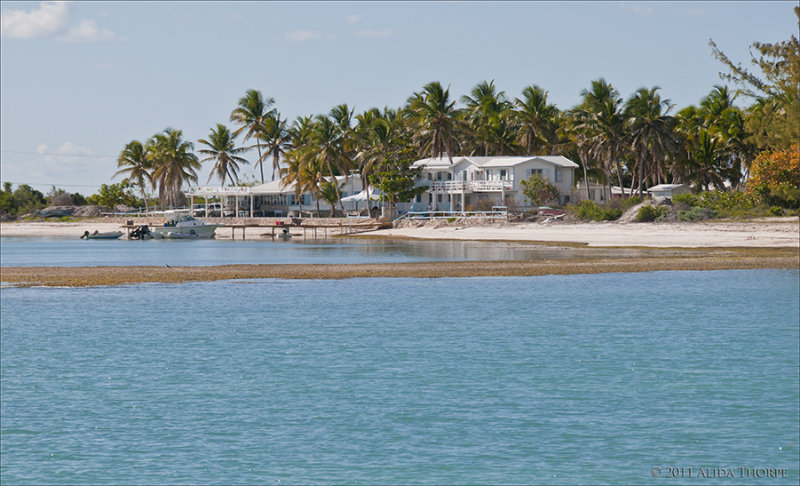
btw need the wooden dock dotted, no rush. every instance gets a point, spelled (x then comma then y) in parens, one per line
(309, 229)
(312, 230)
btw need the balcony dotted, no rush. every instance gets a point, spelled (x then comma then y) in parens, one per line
(471, 186)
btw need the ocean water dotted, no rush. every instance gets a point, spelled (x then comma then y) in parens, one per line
(610, 378)
(68, 252)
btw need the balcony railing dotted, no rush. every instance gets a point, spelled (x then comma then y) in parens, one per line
(471, 186)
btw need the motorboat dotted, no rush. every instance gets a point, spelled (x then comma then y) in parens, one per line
(108, 235)
(181, 225)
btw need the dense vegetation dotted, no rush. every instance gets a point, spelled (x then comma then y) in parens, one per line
(632, 142)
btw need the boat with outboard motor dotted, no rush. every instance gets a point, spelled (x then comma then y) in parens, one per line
(181, 225)
(109, 235)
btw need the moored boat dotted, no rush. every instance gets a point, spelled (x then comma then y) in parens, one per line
(181, 225)
(108, 235)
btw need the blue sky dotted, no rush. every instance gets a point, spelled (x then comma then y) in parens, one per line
(79, 80)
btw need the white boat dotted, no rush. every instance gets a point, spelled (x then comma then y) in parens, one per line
(110, 235)
(181, 225)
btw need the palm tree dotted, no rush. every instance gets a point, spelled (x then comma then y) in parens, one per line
(223, 151)
(488, 111)
(706, 161)
(535, 119)
(276, 139)
(599, 115)
(174, 163)
(133, 162)
(250, 116)
(435, 120)
(328, 191)
(651, 132)
(379, 139)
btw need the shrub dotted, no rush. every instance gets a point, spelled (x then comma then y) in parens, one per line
(650, 213)
(450, 220)
(696, 214)
(538, 190)
(689, 200)
(588, 210)
(776, 210)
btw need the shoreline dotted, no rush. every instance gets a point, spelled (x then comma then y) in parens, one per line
(768, 233)
(730, 259)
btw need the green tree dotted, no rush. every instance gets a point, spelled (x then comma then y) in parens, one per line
(397, 180)
(434, 120)
(535, 119)
(488, 112)
(174, 163)
(111, 195)
(651, 133)
(276, 138)
(22, 200)
(538, 190)
(223, 152)
(250, 114)
(600, 117)
(328, 191)
(774, 119)
(134, 164)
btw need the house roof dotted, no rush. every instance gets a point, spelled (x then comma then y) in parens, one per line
(494, 161)
(666, 187)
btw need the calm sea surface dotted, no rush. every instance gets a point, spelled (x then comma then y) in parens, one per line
(555, 379)
(68, 252)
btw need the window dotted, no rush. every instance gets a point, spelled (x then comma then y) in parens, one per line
(439, 198)
(535, 172)
(566, 199)
(438, 176)
(419, 197)
(502, 174)
(559, 177)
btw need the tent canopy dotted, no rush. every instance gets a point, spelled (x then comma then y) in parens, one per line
(374, 195)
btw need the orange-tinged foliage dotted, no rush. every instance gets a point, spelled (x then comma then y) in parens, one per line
(776, 169)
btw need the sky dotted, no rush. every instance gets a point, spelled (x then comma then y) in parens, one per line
(79, 80)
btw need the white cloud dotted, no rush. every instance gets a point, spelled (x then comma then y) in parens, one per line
(375, 33)
(86, 31)
(41, 148)
(50, 18)
(637, 8)
(69, 148)
(302, 35)
(353, 19)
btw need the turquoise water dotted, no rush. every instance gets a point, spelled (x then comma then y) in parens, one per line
(557, 379)
(67, 252)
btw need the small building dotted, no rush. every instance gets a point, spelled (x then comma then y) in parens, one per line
(271, 198)
(456, 183)
(668, 190)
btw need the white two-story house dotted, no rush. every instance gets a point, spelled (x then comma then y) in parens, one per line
(466, 181)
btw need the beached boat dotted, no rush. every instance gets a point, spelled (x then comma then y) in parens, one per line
(181, 225)
(109, 235)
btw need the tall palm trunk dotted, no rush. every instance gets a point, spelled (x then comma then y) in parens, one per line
(619, 177)
(261, 164)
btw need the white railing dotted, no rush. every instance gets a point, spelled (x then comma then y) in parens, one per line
(497, 212)
(218, 190)
(474, 186)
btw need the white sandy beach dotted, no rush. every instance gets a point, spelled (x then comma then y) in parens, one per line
(777, 232)
(783, 233)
